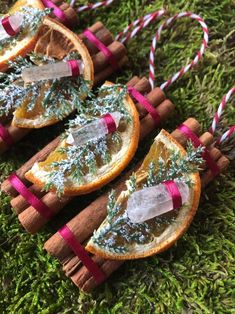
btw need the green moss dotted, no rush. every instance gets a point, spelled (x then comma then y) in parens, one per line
(197, 274)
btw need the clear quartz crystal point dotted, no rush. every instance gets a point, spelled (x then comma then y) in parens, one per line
(92, 131)
(49, 71)
(15, 22)
(153, 201)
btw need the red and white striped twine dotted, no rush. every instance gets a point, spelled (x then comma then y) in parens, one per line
(138, 25)
(217, 116)
(91, 6)
(166, 24)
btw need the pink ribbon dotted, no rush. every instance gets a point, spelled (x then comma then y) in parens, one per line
(196, 142)
(108, 54)
(40, 207)
(56, 11)
(7, 26)
(111, 125)
(6, 136)
(79, 251)
(74, 67)
(174, 192)
(146, 104)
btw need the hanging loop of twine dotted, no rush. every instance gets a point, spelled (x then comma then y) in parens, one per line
(217, 116)
(91, 6)
(156, 38)
(132, 29)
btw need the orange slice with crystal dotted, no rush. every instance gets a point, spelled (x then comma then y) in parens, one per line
(118, 238)
(119, 153)
(55, 41)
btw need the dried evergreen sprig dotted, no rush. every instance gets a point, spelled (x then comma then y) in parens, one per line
(77, 159)
(176, 167)
(118, 226)
(59, 98)
(109, 99)
(32, 19)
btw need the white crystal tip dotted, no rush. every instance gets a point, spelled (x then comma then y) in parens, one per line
(16, 21)
(70, 139)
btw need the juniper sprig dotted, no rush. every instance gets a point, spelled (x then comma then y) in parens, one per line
(178, 167)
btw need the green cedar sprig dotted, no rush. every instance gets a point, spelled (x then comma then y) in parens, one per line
(77, 158)
(177, 167)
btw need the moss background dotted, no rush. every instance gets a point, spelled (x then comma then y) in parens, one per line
(197, 274)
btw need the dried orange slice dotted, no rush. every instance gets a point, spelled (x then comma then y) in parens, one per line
(119, 238)
(26, 42)
(119, 154)
(56, 41)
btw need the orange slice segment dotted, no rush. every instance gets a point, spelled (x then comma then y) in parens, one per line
(120, 155)
(56, 41)
(118, 238)
(26, 42)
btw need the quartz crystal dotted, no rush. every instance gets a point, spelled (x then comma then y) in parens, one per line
(92, 131)
(153, 201)
(49, 71)
(15, 22)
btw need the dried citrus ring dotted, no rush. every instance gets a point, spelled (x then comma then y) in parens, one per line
(120, 156)
(157, 234)
(56, 41)
(25, 44)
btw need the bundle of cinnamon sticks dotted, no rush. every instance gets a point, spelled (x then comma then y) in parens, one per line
(102, 70)
(69, 12)
(29, 217)
(89, 219)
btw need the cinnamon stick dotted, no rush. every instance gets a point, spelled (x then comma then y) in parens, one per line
(40, 156)
(100, 61)
(102, 33)
(69, 12)
(102, 70)
(57, 247)
(148, 124)
(31, 220)
(16, 133)
(108, 71)
(223, 162)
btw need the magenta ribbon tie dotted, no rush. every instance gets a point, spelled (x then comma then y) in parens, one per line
(196, 143)
(6, 136)
(146, 104)
(56, 11)
(174, 192)
(105, 50)
(8, 28)
(32, 199)
(111, 125)
(74, 67)
(82, 254)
